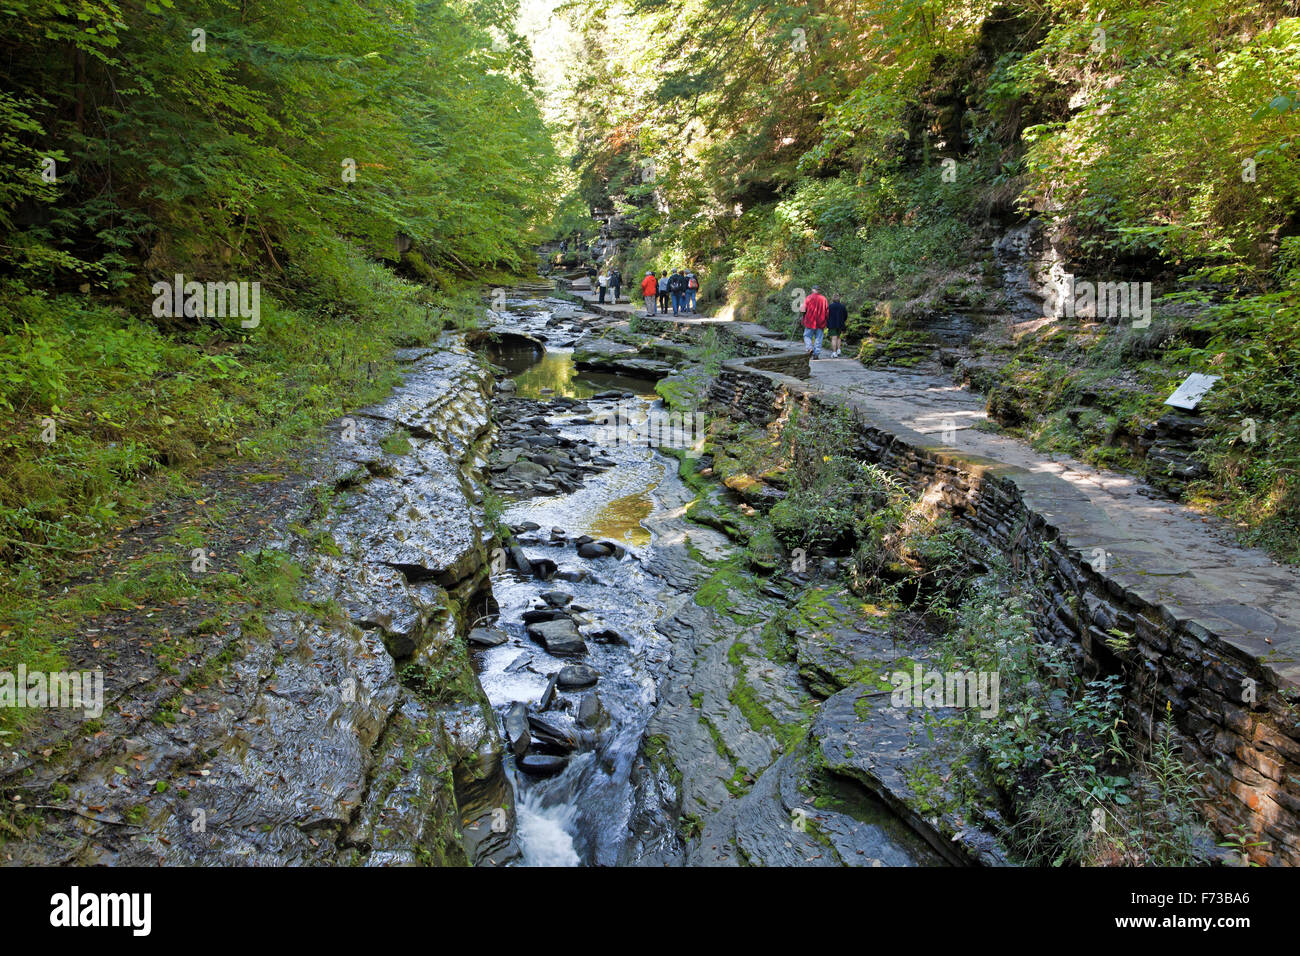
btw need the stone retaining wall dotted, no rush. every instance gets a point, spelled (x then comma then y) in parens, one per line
(794, 364)
(1231, 710)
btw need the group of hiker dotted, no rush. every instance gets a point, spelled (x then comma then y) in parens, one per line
(821, 317)
(676, 290)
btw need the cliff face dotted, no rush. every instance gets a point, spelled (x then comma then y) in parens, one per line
(347, 727)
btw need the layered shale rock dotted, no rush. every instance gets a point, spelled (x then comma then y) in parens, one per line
(344, 728)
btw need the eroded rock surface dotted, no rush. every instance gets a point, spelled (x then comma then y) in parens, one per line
(347, 730)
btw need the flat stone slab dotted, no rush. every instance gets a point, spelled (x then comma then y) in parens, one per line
(560, 637)
(864, 738)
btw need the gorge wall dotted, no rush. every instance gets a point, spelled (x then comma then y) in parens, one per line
(1231, 708)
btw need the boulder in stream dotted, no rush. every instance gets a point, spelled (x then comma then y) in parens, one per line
(538, 614)
(560, 638)
(486, 637)
(591, 713)
(607, 635)
(548, 695)
(542, 765)
(517, 730)
(551, 734)
(576, 676)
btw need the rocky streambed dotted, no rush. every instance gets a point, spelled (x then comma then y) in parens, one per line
(498, 638)
(593, 557)
(644, 723)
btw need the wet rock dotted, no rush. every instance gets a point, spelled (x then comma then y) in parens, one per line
(520, 560)
(519, 663)
(637, 367)
(591, 713)
(573, 576)
(544, 569)
(556, 598)
(576, 676)
(593, 550)
(551, 734)
(316, 713)
(518, 733)
(607, 635)
(538, 614)
(559, 637)
(548, 695)
(542, 765)
(486, 637)
(525, 470)
(865, 739)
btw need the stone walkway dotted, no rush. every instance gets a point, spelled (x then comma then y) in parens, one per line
(1162, 550)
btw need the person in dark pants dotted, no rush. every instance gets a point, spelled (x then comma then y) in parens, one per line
(615, 283)
(837, 317)
(677, 289)
(663, 292)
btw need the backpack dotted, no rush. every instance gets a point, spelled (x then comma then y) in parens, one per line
(692, 283)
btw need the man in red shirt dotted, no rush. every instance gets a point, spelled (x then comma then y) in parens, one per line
(649, 290)
(814, 322)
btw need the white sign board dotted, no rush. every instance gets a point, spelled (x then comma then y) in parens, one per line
(1189, 394)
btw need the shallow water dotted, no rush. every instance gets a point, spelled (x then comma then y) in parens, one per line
(581, 815)
(544, 832)
(554, 375)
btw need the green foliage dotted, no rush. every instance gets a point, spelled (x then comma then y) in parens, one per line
(1191, 153)
(1092, 391)
(121, 400)
(233, 152)
(1084, 790)
(219, 141)
(1253, 342)
(870, 150)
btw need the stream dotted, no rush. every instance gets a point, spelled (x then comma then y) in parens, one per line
(595, 608)
(581, 815)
